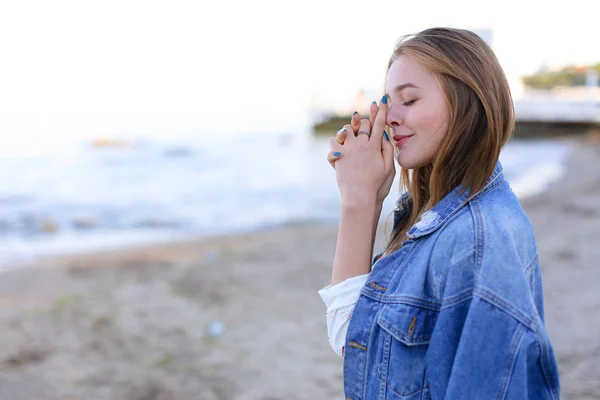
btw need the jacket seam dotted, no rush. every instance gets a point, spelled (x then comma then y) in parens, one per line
(408, 300)
(531, 264)
(479, 232)
(383, 386)
(550, 384)
(479, 228)
(490, 297)
(516, 341)
(368, 355)
(457, 299)
(404, 395)
(490, 186)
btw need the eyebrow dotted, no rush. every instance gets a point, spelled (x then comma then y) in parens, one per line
(400, 88)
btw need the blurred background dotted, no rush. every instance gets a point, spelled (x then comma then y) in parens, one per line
(167, 214)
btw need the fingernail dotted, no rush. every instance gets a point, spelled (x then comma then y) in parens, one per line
(374, 102)
(337, 153)
(341, 130)
(355, 112)
(384, 99)
(385, 135)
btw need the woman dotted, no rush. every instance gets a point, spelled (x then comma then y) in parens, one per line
(453, 307)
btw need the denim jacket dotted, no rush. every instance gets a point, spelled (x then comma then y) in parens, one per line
(457, 312)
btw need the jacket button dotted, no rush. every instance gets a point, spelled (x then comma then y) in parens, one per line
(377, 287)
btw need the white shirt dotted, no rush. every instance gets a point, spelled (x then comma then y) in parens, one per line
(340, 300)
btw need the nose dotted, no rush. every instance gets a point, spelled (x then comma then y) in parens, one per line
(394, 118)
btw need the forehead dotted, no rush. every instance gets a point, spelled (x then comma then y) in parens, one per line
(406, 70)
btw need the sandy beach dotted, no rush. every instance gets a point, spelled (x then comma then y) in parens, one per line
(239, 317)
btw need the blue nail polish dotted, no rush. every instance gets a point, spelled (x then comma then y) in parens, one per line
(384, 99)
(355, 112)
(385, 135)
(337, 153)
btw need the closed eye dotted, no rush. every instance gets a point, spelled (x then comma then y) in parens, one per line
(409, 103)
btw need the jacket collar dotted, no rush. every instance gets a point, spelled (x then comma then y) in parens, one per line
(450, 205)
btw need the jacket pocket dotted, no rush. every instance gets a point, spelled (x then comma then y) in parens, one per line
(404, 343)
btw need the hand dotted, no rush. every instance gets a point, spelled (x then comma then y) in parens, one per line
(340, 137)
(354, 127)
(365, 164)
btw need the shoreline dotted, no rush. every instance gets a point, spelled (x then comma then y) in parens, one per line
(168, 248)
(210, 318)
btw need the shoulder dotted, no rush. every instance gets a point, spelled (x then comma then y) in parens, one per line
(504, 232)
(489, 249)
(490, 227)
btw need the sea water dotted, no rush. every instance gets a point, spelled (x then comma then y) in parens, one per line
(77, 197)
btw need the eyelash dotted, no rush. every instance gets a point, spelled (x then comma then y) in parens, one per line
(409, 103)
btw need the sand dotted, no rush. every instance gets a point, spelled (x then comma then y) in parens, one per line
(239, 317)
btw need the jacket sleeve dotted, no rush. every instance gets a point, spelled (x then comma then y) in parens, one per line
(480, 351)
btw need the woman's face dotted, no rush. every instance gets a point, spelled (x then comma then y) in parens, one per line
(418, 113)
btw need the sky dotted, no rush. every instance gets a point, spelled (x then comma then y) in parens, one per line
(83, 69)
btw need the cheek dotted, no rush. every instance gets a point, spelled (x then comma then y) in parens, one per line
(434, 123)
(422, 120)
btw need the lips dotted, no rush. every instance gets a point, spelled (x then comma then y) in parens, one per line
(400, 139)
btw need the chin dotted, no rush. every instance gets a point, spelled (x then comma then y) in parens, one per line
(409, 160)
(406, 162)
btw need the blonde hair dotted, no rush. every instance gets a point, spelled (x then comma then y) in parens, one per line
(480, 121)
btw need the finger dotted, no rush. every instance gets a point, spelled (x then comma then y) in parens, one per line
(365, 126)
(387, 151)
(332, 157)
(379, 124)
(342, 134)
(373, 112)
(334, 145)
(355, 122)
